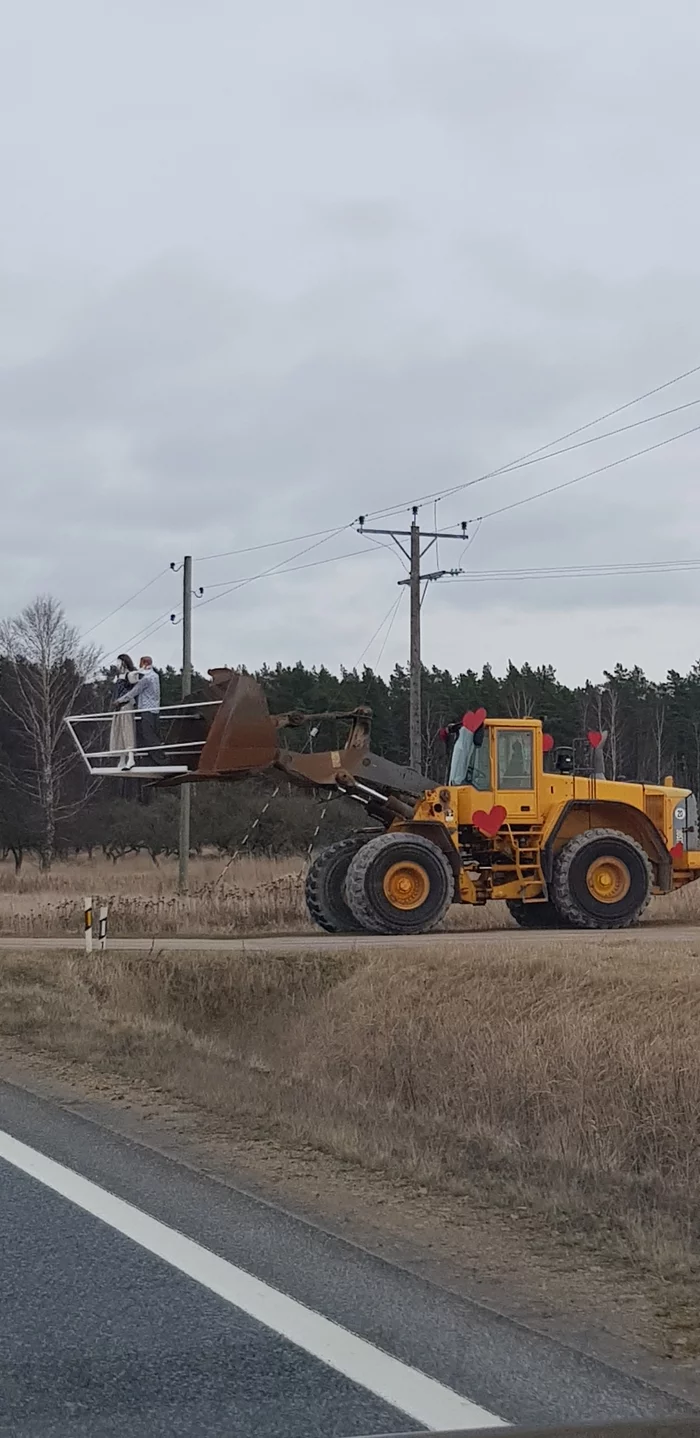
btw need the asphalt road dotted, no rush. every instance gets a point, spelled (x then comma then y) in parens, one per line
(141, 1297)
(646, 935)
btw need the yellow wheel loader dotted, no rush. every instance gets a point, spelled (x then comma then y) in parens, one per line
(512, 822)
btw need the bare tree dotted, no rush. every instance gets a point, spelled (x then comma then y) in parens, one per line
(520, 703)
(48, 668)
(612, 724)
(659, 724)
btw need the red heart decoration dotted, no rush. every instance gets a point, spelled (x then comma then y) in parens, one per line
(489, 823)
(547, 743)
(594, 738)
(473, 719)
(677, 851)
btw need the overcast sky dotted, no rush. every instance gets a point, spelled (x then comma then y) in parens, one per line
(264, 267)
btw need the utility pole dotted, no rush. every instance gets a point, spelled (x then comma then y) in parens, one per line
(414, 661)
(415, 579)
(185, 790)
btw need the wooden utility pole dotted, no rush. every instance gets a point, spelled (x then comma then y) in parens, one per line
(414, 554)
(414, 662)
(185, 791)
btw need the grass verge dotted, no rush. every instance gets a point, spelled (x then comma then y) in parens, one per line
(563, 1086)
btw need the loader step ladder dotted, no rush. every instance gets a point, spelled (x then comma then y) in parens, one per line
(528, 865)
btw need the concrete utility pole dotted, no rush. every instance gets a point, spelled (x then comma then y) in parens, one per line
(414, 555)
(185, 791)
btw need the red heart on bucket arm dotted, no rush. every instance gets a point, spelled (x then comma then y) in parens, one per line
(677, 851)
(473, 719)
(489, 823)
(595, 738)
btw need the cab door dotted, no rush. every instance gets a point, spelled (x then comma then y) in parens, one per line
(515, 762)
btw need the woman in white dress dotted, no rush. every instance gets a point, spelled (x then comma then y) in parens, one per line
(122, 737)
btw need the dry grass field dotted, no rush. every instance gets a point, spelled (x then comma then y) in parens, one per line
(255, 896)
(562, 1087)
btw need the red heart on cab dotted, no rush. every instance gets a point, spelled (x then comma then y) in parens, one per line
(677, 851)
(547, 743)
(473, 719)
(594, 738)
(489, 823)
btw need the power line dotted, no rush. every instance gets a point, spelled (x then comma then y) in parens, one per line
(229, 586)
(385, 640)
(589, 474)
(569, 448)
(579, 571)
(147, 630)
(391, 612)
(293, 569)
(533, 453)
(269, 544)
(251, 578)
(124, 603)
(581, 444)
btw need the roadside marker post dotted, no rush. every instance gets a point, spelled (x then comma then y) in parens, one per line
(102, 927)
(87, 903)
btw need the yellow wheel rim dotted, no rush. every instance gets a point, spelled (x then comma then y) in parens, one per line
(406, 885)
(608, 879)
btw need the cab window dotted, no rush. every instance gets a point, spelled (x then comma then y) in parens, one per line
(470, 762)
(514, 749)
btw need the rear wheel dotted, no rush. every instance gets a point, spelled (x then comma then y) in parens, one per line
(534, 916)
(399, 884)
(602, 880)
(324, 887)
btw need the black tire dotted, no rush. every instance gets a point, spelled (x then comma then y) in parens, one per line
(570, 889)
(366, 895)
(324, 887)
(535, 916)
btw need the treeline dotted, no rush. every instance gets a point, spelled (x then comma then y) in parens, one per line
(653, 728)
(49, 805)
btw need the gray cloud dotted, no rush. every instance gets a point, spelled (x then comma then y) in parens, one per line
(268, 269)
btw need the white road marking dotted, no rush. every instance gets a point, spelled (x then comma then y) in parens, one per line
(396, 1383)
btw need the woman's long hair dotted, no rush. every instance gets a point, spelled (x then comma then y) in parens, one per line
(126, 661)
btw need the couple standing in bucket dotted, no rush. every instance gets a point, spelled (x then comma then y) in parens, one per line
(136, 696)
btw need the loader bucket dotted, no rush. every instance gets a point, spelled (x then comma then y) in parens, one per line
(242, 737)
(245, 738)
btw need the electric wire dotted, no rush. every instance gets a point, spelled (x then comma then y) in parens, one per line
(579, 571)
(540, 450)
(391, 611)
(589, 474)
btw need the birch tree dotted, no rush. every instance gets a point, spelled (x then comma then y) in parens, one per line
(48, 667)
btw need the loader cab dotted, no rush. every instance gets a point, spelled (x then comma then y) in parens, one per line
(502, 760)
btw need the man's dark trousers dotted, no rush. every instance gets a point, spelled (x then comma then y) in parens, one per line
(149, 736)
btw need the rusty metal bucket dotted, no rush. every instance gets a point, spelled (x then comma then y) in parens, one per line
(243, 736)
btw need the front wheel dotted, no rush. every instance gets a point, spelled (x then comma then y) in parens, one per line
(325, 900)
(602, 880)
(399, 884)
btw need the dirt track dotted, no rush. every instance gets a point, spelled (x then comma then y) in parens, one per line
(647, 934)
